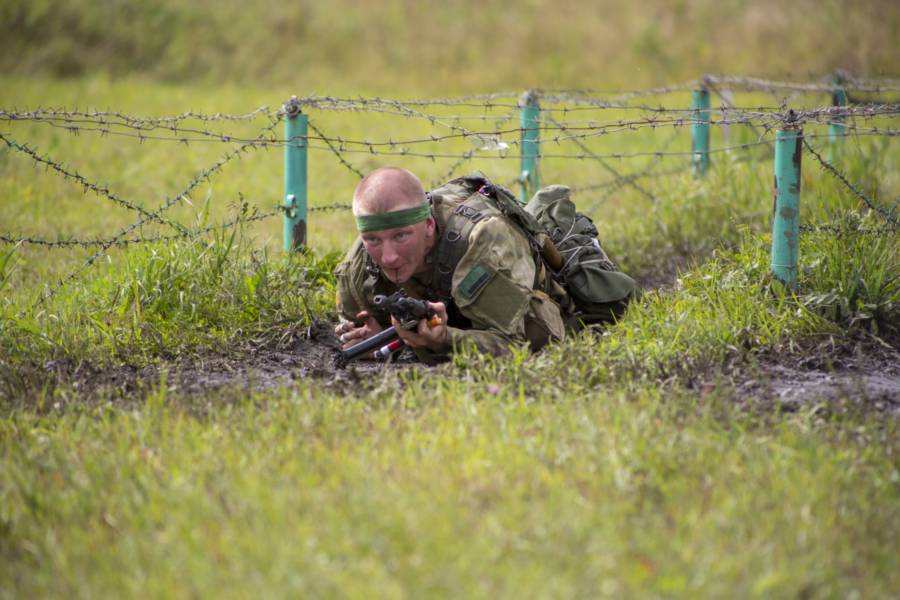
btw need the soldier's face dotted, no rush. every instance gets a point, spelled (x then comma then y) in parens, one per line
(401, 252)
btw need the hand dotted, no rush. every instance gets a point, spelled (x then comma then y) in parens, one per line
(351, 334)
(426, 336)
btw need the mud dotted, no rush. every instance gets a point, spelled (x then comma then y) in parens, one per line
(861, 369)
(313, 354)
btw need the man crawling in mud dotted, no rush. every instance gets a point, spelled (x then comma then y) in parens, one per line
(455, 249)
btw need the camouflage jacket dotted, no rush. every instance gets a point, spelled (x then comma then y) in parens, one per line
(499, 292)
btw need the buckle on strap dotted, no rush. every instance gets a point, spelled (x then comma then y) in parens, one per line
(468, 212)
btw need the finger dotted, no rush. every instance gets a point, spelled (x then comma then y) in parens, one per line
(353, 333)
(410, 338)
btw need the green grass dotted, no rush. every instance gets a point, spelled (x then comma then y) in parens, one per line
(448, 490)
(616, 463)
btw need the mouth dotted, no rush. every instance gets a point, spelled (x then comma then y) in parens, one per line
(393, 275)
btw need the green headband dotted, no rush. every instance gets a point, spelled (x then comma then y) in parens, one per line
(393, 219)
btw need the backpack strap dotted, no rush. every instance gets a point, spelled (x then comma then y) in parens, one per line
(452, 246)
(483, 199)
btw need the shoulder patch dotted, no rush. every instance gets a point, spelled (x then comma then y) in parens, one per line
(475, 281)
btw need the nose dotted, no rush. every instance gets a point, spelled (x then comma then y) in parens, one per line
(389, 256)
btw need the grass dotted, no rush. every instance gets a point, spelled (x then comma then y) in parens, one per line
(603, 494)
(616, 463)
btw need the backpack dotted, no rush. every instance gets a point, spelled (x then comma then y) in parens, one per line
(599, 290)
(564, 239)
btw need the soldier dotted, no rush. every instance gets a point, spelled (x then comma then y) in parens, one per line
(487, 283)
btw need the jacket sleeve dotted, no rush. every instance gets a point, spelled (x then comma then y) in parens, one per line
(350, 278)
(492, 286)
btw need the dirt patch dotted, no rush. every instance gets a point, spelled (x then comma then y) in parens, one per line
(311, 354)
(859, 369)
(863, 370)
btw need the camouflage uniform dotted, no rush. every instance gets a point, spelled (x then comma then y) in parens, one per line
(499, 292)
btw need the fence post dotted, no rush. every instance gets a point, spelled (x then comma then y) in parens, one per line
(786, 222)
(836, 130)
(295, 175)
(700, 131)
(531, 135)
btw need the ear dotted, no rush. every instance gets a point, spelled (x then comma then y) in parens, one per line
(430, 226)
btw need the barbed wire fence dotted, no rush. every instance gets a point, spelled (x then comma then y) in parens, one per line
(484, 125)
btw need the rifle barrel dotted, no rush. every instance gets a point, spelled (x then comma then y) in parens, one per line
(370, 345)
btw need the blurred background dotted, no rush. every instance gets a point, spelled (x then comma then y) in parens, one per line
(166, 57)
(447, 46)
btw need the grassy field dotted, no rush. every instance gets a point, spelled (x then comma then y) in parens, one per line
(628, 462)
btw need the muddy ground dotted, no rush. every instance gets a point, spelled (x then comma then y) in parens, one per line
(862, 369)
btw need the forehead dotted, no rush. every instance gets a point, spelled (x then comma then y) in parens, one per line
(387, 233)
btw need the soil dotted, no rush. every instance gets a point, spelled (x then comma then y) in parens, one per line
(314, 354)
(863, 370)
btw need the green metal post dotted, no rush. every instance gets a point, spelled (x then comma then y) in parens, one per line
(700, 131)
(786, 223)
(837, 129)
(531, 135)
(295, 176)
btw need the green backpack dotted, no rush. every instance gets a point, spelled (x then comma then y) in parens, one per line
(598, 290)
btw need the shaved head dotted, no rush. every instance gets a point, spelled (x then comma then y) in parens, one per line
(386, 190)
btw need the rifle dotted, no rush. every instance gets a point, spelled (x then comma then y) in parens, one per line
(409, 311)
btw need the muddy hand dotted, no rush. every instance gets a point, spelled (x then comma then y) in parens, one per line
(427, 334)
(351, 333)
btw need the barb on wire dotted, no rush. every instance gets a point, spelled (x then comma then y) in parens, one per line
(330, 207)
(887, 214)
(335, 150)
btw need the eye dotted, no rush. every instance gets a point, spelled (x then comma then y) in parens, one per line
(402, 236)
(371, 241)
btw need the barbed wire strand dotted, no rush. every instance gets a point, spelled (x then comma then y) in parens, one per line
(336, 151)
(827, 166)
(839, 231)
(105, 120)
(253, 216)
(588, 129)
(39, 113)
